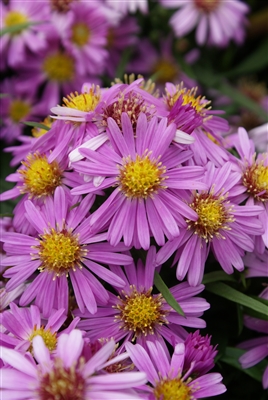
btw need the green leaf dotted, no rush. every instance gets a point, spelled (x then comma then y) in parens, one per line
(223, 290)
(19, 27)
(36, 125)
(242, 100)
(231, 357)
(240, 321)
(254, 62)
(164, 290)
(217, 276)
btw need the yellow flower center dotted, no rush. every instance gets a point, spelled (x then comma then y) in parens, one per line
(141, 312)
(84, 101)
(142, 177)
(207, 6)
(18, 110)
(80, 34)
(200, 104)
(50, 339)
(172, 389)
(63, 383)
(37, 132)
(213, 214)
(255, 178)
(60, 252)
(15, 18)
(59, 67)
(40, 178)
(165, 71)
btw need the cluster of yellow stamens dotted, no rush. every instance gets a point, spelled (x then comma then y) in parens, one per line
(172, 389)
(50, 339)
(59, 252)
(15, 18)
(80, 34)
(63, 383)
(142, 177)
(37, 132)
(84, 101)
(148, 86)
(40, 178)
(255, 179)
(207, 6)
(59, 67)
(189, 96)
(140, 311)
(164, 70)
(214, 214)
(18, 110)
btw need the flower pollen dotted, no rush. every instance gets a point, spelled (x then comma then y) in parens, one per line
(62, 383)
(50, 339)
(80, 34)
(207, 6)
(37, 132)
(60, 5)
(59, 67)
(59, 252)
(140, 312)
(172, 389)
(15, 18)
(40, 178)
(165, 71)
(255, 179)
(142, 177)
(84, 102)
(213, 215)
(18, 110)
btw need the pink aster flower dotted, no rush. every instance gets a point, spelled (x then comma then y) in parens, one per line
(125, 6)
(23, 324)
(137, 313)
(217, 21)
(62, 247)
(257, 349)
(167, 376)
(33, 37)
(223, 227)
(83, 32)
(6, 297)
(145, 169)
(65, 374)
(256, 264)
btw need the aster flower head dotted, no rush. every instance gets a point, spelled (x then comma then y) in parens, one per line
(221, 225)
(217, 21)
(167, 376)
(6, 297)
(257, 349)
(144, 168)
(65, 374)
(137, 313)
(33, 37)
(23, 324)
(62, 247)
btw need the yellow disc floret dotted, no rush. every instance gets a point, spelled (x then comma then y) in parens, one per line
(59, 67)
(165, 71)
(213, 214)
(172, 389)
(18, 110)
(207, 6)
(37, 132)
(83, 102)
(40, 178)
(62, 383)
(15, 18)
(50, 339)
(255, 178)
(140, 312)
(60, 251)
(80, 34)
(142, 177)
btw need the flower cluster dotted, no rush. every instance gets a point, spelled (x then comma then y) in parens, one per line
(116, 183)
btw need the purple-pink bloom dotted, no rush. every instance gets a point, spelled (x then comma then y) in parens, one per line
(224, 228)
(63, 246)
(216, 21)
(167, 375)
(137, 313)
(145, 169)
(65, 374)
